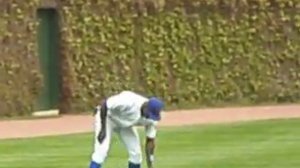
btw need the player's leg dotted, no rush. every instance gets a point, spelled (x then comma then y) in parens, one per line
(101, 150)
(130, 138)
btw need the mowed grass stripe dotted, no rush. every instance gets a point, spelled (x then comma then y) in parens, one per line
(260, 144)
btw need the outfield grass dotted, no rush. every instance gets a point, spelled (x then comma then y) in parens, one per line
(263, 144)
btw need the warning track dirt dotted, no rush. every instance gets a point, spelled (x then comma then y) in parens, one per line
(69, 124)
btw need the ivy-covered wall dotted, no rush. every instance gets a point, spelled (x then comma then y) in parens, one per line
(189, 52)
(20, 78)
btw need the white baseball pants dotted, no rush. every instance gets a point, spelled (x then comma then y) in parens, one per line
(129, 136)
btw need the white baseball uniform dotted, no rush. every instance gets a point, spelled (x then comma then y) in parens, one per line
(123, 112)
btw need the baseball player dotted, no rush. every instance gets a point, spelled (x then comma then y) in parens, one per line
(120, 113)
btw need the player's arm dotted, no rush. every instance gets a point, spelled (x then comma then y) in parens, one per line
(108, 104)
(103, 118)
(150, 146)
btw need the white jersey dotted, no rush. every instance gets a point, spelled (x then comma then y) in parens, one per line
(124, 109)
(123, 113)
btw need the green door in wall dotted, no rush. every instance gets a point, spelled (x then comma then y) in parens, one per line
(48, 39)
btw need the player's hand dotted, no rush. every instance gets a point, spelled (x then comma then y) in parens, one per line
(101, 136)
(150, 166)
(150, 161)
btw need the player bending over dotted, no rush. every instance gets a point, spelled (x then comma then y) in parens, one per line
(120, 113)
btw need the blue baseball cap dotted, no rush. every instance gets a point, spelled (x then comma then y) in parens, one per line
(155, 106)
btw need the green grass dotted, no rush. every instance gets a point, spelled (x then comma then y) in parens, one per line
(263, 144)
